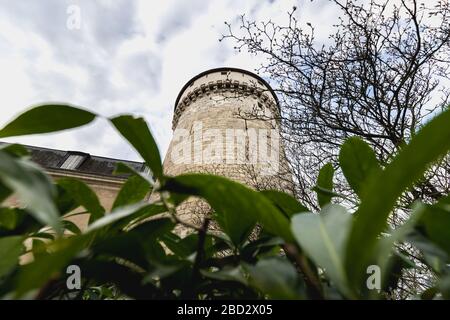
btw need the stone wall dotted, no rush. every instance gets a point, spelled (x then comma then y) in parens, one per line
(214, 122)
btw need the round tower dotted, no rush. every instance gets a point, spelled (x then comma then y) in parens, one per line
(225, 123)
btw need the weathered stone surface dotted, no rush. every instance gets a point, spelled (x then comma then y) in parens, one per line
(211, 109)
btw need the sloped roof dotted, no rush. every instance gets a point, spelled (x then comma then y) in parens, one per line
(53, 159)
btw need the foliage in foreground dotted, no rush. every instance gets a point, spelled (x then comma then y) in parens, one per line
(133, 251)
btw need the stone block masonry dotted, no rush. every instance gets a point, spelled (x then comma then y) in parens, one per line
(216, 131)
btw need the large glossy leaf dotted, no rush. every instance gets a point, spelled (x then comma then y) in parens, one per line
(239, 206)
(135, 210)
(284, 202)
(184, 247)
(325, 181)
(47, 118)
(357, 161)
(444, 286)
(5, 192)
(436, 226)
(33, 188)
(126, 279)
(136, 131)
(263, 246)
(10, 218)
(17, 221)
(139, 245)
(384, 189)
(10, 250)
(385, 251)
(124, 169)
(323, 237)
(37, 273)
(275, 277)
(14, 149)
(70, 226)
(228, 273)
(436, 258)
(84, 196)
(64, 201)
(63, 250)
(133, 190)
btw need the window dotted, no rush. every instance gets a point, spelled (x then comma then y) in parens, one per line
(72, 162)
(224, 72)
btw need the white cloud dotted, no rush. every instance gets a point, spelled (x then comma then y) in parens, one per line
(128, 57)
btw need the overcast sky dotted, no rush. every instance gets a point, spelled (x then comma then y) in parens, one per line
(126, 57)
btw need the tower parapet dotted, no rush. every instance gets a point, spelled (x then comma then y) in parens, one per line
(216, 131)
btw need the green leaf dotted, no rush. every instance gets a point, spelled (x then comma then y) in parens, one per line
(5, 192)
(434, 256)
(33, 187)
(239, 206)
(275, 277)
(122, 168)
(136, 131)
(183, 247)
(64, 201)
(135, 210)
(70, 226)
(139, 245)
(284, 202)
(325, 181)
(39, 248)
(15, 150)
(263, 246)
(19, 222)
(323, 237)
(444, 286)
(357, 162)
(10, 218)
(44, 235)
(37, 273)
(429, 293)
(47, 118)
(127, 280)
(444, 201)
(10, 250)
(150, 231)
(436, 224)
(384, 189)
(133, 190)
(83, 196)
(385, 257)
(228, 273)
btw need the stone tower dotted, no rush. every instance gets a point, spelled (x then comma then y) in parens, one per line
(215, 131)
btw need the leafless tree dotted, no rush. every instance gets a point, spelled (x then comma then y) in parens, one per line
(380, 76)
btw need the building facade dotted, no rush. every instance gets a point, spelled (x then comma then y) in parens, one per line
(95, 171)
(225, 122)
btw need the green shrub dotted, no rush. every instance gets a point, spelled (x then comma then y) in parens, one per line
(133, 252)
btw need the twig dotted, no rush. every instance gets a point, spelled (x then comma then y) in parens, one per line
(312, 282)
